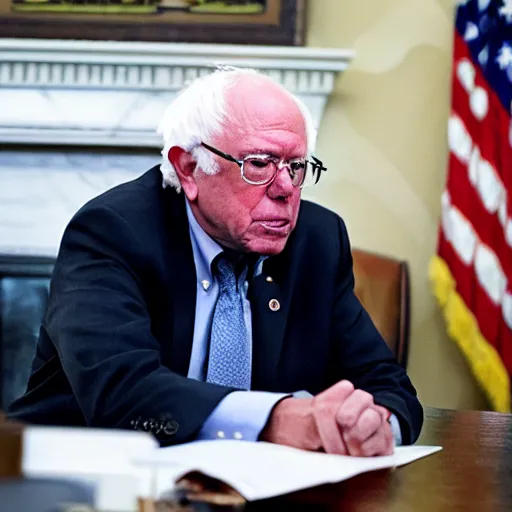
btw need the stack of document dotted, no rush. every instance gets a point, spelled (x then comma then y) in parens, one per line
(125, 466)
(263, 470)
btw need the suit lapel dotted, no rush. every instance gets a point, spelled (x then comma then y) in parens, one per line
(184, 284)
(270, 303)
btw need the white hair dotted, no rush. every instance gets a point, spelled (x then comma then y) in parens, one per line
(199, 113)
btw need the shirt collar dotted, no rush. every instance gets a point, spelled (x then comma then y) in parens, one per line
(204, 247)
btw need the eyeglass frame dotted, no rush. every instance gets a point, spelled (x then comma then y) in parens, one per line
(316, 166)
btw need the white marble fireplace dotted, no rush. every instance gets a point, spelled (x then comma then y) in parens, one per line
(72, 112)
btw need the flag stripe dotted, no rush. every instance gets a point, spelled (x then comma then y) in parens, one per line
(472, 271)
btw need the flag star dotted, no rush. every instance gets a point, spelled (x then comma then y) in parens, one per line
(504, 58)
(471, 32)
(483, 56)
(506, 10)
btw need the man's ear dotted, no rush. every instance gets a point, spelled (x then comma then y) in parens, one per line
(185, 166)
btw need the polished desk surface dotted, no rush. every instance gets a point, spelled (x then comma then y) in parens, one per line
(472, 473)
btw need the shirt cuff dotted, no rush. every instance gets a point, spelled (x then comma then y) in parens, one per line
(241, 415)
(395, 428)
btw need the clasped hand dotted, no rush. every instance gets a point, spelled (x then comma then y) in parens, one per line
(341, 420)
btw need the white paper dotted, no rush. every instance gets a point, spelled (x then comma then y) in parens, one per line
(101, 458)
(263, 470)
(124, 465)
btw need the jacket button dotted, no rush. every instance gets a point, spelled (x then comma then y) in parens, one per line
(151, 426)
(135, 424)
(171, 427)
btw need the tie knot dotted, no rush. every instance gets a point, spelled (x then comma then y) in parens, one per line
(224, 268)
(229, 265)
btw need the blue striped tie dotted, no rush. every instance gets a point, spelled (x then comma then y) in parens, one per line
(229, 362)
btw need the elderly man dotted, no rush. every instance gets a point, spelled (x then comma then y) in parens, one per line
(213, 303)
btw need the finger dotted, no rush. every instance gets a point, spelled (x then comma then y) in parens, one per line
(330, 434)
(325, 406)
(352, 408)
(338, 392)
(367, 425)
(390, 439)
(385, 413)
(375, 446)
(381, 443)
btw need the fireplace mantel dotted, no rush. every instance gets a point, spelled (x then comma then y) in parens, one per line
(114, 93)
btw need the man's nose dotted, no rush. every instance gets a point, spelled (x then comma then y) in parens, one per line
(282, 185)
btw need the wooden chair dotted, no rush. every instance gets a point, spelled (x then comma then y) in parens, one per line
(382, 286)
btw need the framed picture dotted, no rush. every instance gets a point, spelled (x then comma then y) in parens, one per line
(265, 22)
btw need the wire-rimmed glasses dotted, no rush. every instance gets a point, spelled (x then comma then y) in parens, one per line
(263, 169)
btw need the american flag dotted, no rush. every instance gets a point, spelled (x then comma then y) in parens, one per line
(472, 269)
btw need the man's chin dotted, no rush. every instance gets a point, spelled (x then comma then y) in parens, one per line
(268, 247)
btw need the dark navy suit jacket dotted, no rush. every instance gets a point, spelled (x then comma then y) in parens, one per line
(115, 343)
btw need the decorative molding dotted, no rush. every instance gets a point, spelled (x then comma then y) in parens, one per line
(113, 93)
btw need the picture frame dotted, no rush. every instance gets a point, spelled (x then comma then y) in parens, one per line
(255, 22)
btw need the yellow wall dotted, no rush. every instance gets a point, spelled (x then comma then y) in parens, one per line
(383, 138)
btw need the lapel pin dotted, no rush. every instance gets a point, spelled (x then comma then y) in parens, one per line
(274, 305)
(269, 279)
(205, 284)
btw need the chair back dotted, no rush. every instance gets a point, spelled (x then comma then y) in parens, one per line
(24, 287)
(382, 286)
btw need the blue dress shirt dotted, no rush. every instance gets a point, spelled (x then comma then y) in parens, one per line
(241, 414)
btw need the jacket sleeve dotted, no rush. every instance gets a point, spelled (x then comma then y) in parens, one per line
(98, 320)
(363, 357)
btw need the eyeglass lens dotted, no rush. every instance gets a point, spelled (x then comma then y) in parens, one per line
(262, 170)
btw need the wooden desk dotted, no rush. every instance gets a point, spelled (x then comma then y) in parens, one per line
(472, 473)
